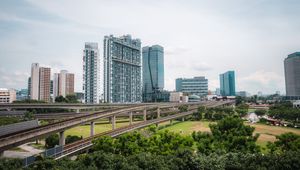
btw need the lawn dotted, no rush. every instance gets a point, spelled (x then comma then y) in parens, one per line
(84, 130)
(187, 127)
(267, 132)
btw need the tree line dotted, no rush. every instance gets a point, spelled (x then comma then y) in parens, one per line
(230, 145)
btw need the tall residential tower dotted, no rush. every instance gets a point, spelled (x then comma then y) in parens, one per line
(153, 72)
(122, 69)
(63, 84)
(91, 73)
(40, 83)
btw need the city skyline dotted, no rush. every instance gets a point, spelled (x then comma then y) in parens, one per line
(220, 40)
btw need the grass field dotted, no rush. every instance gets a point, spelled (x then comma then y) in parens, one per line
(267, 133)
(84, 130)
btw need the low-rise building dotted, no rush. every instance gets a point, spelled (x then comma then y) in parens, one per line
(178, 97)
(22, 94)
(192, 86)
(7, 95)
(194, 98)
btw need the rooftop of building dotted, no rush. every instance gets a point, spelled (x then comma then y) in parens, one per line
(198, 78)
(155, 47)
(193, 96)
(295, 54)
(92, 45)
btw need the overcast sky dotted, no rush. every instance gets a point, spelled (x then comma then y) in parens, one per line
(200, 37)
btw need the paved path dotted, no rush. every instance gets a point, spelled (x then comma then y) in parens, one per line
(22, 154)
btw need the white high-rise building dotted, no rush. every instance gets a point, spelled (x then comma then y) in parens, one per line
(35, 81)
(91, 73)
(62, 82)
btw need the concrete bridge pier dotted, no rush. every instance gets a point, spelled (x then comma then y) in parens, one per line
(158, 112)
(145, 114)
(182, 119)
(62, 138)
(113, 122)
(130, 118)
(77, 110)
(92, 128)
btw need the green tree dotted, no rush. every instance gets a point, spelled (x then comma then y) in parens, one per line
(260, 112)
(198, 115)
(71, 98)
(61, 99)
(105, 144)
(286, 142)
(232, 135)
(183, 108)
(29, 115)
(72, 138)
(242, 109)
(51, 141)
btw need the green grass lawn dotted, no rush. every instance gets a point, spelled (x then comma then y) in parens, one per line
(37, 146)
(187, 127)
(267, 133)
(84, 130)
(251, 110)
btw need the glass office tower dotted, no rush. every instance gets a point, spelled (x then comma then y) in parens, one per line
(153, 72)
(292, 74)
(122, 69)
(227, 83)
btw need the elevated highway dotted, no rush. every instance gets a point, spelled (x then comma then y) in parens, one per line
(21, 137)
(86, 143)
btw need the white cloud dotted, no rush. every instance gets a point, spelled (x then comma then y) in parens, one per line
(15, 79)
(201, 38)
(262, 80)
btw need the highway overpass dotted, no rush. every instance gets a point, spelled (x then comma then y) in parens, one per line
(86, 143)
(18, 138)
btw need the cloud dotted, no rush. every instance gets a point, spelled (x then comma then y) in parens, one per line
(262, 80)
(201, 38)
(213, 84)
(15, 79)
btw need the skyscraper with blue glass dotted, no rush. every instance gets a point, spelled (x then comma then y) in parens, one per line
(227, 83)
(122, 69)
(153, 72)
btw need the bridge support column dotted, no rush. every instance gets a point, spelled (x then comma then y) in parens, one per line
(113, 122)
(158, 112)
(145, 114)
(77, 110)
(62, 138)
(171, 121)
(92, 128)
(130, 118)
(182, 119)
